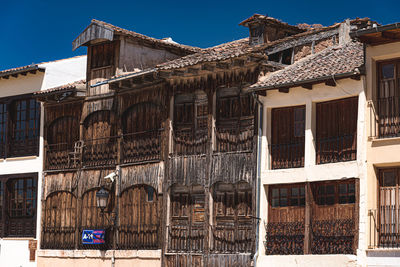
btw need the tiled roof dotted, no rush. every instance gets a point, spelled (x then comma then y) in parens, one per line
(329, 62)
(146, 38)
(220, 52)
(270, 20)
(62, 88)
(19, 70)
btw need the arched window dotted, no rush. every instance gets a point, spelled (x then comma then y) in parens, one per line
(235, 121)
(141, 125)
(92, 218)
(139, 218)
(59, 221)
(232, 218)
(62, 134)
(186, 232)
(99, 139)
(190, 123)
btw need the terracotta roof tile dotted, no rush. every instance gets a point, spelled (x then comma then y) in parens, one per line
(220, 52)
(19, 70)
(147, 38)
(62, 88)
(331, 61)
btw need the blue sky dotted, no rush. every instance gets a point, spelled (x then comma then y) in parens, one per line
(37, 31)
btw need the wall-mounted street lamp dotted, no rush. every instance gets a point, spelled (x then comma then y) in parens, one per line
(102, 199)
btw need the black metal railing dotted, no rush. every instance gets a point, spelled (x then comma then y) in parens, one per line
(100, 152)
(186, 142)
(287, 155)
(285, 238)
(333, 237)
(336, 149)
(230, 139)
(182, 238)
(384, 227)
(23, 147)
(141, 146)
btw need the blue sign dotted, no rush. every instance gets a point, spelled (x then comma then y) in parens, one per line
(93, 237)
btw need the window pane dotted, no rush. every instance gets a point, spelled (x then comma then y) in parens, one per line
(330, 189)
(275, 202)
(388, 71)
(389, 178)
(342, 188)
(275, 192)
(283, 192)
(295, 191)
(330, 200)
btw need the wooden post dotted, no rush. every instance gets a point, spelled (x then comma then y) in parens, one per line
(307, 222)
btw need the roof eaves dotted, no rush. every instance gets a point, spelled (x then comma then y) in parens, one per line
(21, 70)
(383, 28)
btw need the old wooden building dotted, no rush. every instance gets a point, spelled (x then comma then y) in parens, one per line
(183, 133)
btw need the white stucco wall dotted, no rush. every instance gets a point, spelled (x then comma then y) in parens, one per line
(312, 172)
(14, 252)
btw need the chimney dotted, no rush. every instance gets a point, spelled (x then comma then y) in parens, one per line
(264, 29)
(344, 32)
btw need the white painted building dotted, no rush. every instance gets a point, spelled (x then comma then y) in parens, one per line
(313, 153)
(21, 154)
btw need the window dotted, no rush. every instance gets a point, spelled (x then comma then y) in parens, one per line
(288, 196)
(288, 131)
(102, 55)
(19, 126)
(18, 203)
(337, 130)
(388, 97)
(190, 123)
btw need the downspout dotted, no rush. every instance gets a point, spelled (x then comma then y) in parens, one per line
(258, 174)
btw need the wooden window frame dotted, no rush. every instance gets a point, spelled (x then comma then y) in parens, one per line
(28, 143)
(392, 127)
(97, 53)
(6, 218)
(287, 153)
(336, 141)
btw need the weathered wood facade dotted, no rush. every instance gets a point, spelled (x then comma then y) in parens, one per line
(182, 142)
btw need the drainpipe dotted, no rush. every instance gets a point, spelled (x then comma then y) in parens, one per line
(258, 174)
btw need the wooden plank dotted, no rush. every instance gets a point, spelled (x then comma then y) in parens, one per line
(330, 82)
(307, 86)
(284, 90)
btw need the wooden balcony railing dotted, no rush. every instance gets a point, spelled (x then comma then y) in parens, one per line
(142, 146)
(139, 236)
(231, 239)
(229, 139)
(58, 156)
(188, 143)
(287, 155)
(183, 238)
(384, 227)
(58, 237)
(336, 149)
(100, 152)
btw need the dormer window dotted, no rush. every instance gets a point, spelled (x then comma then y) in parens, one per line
(256, 34)
(102, 55)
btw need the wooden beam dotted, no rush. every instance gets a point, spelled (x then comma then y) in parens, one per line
(263, 93)
(238, 62)
(284, 90)
(164, 74)
(207, 66)
(33, 71)
(149, 77)
(389, 35)
(357, 77)
(14, 75)
(330, 82)
(23, 73)
(6, 77)
(137, 80)
(307, 86)
(193, 70)
(179, 72)
(223, 65)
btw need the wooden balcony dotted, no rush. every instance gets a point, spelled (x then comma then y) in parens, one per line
(286, 238)
(229, 139)
(188, 143)
(141, 147)
(58, 157)
(139, 236)
(231, 239)
(182, 238)
(100, 152)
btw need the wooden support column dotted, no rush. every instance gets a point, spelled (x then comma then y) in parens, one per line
(78, 220)
(307, 222)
